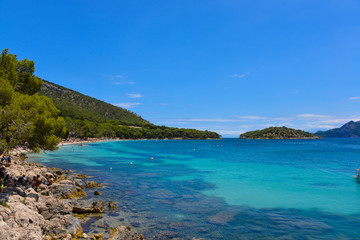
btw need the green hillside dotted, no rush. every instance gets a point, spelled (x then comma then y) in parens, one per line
(79, 106)
(87, 117)
(278, 133)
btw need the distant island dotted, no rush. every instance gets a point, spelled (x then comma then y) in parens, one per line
(348, 130)
(279, 133)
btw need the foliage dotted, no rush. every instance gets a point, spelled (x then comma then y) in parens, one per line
(87, 117)
(278, 133)
(25, 117)
(79, 106)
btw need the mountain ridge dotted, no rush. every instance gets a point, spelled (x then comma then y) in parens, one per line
(348, 130)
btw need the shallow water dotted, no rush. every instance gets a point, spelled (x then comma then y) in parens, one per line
(223, 189)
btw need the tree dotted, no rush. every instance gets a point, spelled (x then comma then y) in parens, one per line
(25, 117)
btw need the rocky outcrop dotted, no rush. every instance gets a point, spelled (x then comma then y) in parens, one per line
(41, 213)
(46, 212)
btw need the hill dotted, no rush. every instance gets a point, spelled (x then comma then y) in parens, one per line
(348, 130)
(278, 133)
(79, 106)
(87, 117)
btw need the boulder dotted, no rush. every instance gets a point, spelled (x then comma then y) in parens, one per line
(124, 233)
(25, 217)
(66, 189)
(95, 207)
(97, 237)
(111, 205)
(63, 226)
(97, 193)
(92, 184)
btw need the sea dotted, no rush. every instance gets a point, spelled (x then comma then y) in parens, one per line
(221, 189)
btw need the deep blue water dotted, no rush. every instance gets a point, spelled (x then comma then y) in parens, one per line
(223, 189)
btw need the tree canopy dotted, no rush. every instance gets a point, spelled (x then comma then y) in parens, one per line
(25, 117)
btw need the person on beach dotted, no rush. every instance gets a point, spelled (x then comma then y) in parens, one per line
(21, 180)
(27, 184)
(33, 182)
(50, 180)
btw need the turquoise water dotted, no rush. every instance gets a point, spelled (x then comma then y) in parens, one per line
(224, 189)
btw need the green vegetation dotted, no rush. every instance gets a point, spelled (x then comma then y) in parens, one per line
(25, 117)
(278, 133)
(40, 120)
(87, 117)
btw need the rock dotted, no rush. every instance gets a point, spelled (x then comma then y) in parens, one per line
(95, 207)
(97, 193)
(83, 176)
(63, 226)
(92, 184)
(97, 237)
(65, 189)
(111, 205)
(25, 217)
(124, 233)
(4, 213)
(49, 207)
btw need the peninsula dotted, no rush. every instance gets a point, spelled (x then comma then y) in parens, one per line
(279, 133)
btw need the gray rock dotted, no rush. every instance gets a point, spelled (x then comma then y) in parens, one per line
(62, 226)
(124, 233)
(95, 207)
(25, 217)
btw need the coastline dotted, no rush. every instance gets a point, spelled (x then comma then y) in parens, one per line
(48, 212)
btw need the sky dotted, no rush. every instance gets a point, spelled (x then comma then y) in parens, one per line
(228, 66)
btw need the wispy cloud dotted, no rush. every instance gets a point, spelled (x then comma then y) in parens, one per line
(309, 115)
(116, 77)
(127, 105)
(134, 95)
(356, 99)
(236, 75)
(119, 80)
(252, 117)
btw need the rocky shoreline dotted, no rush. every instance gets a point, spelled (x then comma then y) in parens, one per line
(48, 212)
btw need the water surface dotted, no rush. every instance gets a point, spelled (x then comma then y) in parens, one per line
(223, 189)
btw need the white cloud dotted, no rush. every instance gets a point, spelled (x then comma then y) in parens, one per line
(134, 95)
(356, 99)
(309, 115)
(119, 79)
(212, 120)
(122, 82)
(235, 75)
(114, 77)
(252, 117)
(127, 105)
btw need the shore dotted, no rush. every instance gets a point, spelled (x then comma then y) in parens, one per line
(47, 211)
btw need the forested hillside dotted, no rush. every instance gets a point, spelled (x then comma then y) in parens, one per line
(87, 117)
(278, 133)
(79, 106)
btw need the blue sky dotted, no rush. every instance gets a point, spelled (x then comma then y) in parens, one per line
(226, 66)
